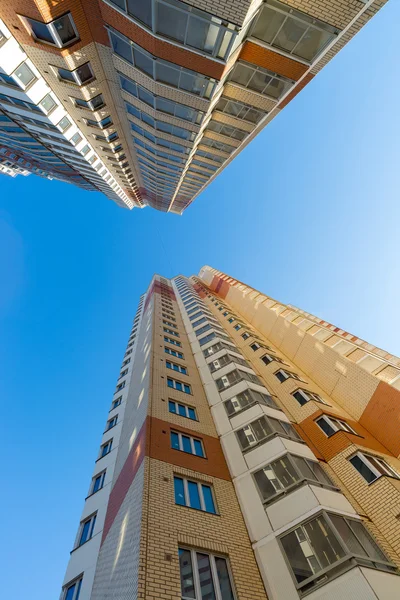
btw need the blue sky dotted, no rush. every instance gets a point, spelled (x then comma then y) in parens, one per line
(308, 213)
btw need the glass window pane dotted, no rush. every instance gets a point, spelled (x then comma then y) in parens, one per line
(369, 544)
(167, 74)
(268, 24)
(67, 75)
(178, 386)
(174, 440)
(84, 73)
(208, 499)
(24, 74)
(146, 96)
(143, 62)
(363, 469)
(85, 532)
(205, 577)
(348, 536)
(187, 389)
(179, 491)
(186, 571)
(324, 543)
(192, 414)
(290, 34)
(194, 495)
(184, 112)
(141, 10)
(129, 86)
(326, 426)
(202, 35)
(198, 448)
(224, 579)
(259, 81)
(65, 29)
(41, 31)
(187, 447)
(299, 554)
(48, 103)
(171, 406)
(241, 74)
(181, 410)
(121, 47)
(70, 592)
(311, 44)
(171, 22)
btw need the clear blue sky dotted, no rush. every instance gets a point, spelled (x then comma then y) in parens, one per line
(309, 213)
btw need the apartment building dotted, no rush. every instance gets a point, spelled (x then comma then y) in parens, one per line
(148, 100)
(250, 453)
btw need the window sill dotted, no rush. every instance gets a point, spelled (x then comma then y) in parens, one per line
(189, 453)
(93, 494)
(200, 510)
(80, 546)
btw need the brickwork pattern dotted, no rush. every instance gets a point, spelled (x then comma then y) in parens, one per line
(273, 61)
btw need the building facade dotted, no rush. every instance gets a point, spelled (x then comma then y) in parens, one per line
(148, 100)
(251, 452)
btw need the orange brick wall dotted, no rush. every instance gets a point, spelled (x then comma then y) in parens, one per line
(382, 416)
(273, 61)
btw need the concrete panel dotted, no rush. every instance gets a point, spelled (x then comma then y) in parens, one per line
(349, 586)
(254, 514)
(385, 585)
(221, 419)
(332, 499)
(233, 455)
(291, 507)
(276, 575)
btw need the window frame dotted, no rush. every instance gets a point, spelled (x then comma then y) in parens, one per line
(192, 445)
(195, 573)
(78, 583)
(267, 400)
(186, 407)
(200, 485)
(308, 397)
(75, 76)
(184, 386)
(91, 519)
(108, 443)
(170, 352)
(171, 341)
(52, 29)
(365, 458)
(288, 375)
(101, 476)
(273, 433)
(180, 368)
(336, 424)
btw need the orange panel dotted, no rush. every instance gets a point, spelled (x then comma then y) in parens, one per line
(263, 57)
(382, 416)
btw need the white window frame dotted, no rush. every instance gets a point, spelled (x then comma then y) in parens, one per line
(185, 406)
(92, 519)
(179, 434)
(108, 442)
(196, 579)
(171, 332)
(200, 490)
(78, 583)
(52, 29)
(182, 383)
(102, 476)
(336, 424)
(288, 375)
(171, 351)
(181, 369)
(112, 422)
(389, 471)
(75, 75)
(272, 358)
(309, 396)
(171, 341)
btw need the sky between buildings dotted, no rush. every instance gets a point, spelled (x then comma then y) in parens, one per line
(308, 213)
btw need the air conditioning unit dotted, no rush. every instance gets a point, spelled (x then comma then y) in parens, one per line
(225, 380)
(216, 364)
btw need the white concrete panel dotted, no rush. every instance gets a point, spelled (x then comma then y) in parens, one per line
(385, 585)
(246, 416)
(233, 455)
(239, 387)
(265, 453)
(298, 448)
(276, 575)
(349, 586)
(254, 514)
(332, 499)
(11, 56)
(291, 507)
(211, 391)
(221, 419)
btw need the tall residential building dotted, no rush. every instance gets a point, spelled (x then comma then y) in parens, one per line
(148, 100)
(250, 453)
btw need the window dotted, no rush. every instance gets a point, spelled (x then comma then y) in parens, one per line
(184, 24)
(123, 373)
(239, 110)
(245, 335)
(216, 348)
(126, 362)
(72, 590)
(234, 377)
(182, 410)
(161, 70)
(103, 124)
(260, 430)
(212, 336)
(86, 530)
(76, 138)
(116, 403)
(93, 104)
(245, 400)
(61, 32)
(224, 360)
(112, 422)
(47, 104)
(372, 467)
(314, 548)
(176, 367)
(304, 396)
(199, 322)
(292, 31)
(24, 75)
(178, 385)
(282, 375)
(287, 472)
(169, 323)
(194, 494)
(64, 124)
(204, 575)
(206, 328)
(173, 352)
(170, 331)
(268, 359)
(171, 341)
(185, 443)
(105, 448)
(260, 80)
(331, 425)
(97, 482)
(238, 326)
(79, 76)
